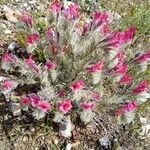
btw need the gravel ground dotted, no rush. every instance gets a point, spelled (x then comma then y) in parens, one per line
(33, 138)
(9, 12)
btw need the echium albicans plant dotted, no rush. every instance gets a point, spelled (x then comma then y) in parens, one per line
(84, 67)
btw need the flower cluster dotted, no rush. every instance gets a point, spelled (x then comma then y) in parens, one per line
(83, 65)
(127, 107)
(34, 101)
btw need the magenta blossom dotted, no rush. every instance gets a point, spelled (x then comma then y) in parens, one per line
(43, 106)
(95, 68)
(31, 39)
(129, 107)
(104, 30)
(125, 108)
(49, 33)
(7, 57)
(49, 65)
(120, 56)
(34, 99)
(117, 39)
(96, 96)
(71, 11)
(121, 70)
(86, 27)
(87, 105)
(77, 85)
(55, 7)
(64, 106)
(24, 101)
(140, 88)
(142, 57)
(27, 20)
(125, 79)
(99, 18)
(128, 34)
(6, 84)
(31, 63)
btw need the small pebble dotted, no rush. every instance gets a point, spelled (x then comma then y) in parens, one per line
(25, 4)
(7, 31)
(12, 46)
(15, 108)
(104, 141)
(25, 139)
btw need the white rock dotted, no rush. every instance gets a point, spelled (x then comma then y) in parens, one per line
(69, 146)
(32, 2)
(25, 4)
(15, 109)
(65, 127)
(143, 120)
(3, 25)
(11, 15)
(145, 130)
(145, 127)
(12, 46)
(7, 31)
(104, 141)
(6, 8)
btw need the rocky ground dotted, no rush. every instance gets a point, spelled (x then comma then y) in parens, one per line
(25, 133)
(9, 12)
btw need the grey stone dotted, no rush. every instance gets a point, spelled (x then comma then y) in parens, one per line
(15, 108)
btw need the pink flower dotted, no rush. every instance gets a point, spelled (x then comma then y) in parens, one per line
(77, 85)
(120, 56)
(55, 7)
(125, 79)
(87, 105)
(7, 57)
(24, 101)
(121, 70)
(141, 87)
(99, 18)
(31, 63)
(97, 67)
(125, 108)
(128, 34)
(6, 84)
(104, 30)
(43, 106)
(129, 106)
(64, 106)
(34, 99)
(49, 33)
(31, 39)
(86, 27)
(117, 39)
(49, 65)
(71, 12)
(142, 57)
(27, 20)
(96, 96)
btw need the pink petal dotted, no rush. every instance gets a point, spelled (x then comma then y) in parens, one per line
(141, 87)
(87, 105)
(64, 106)
(77, 85)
